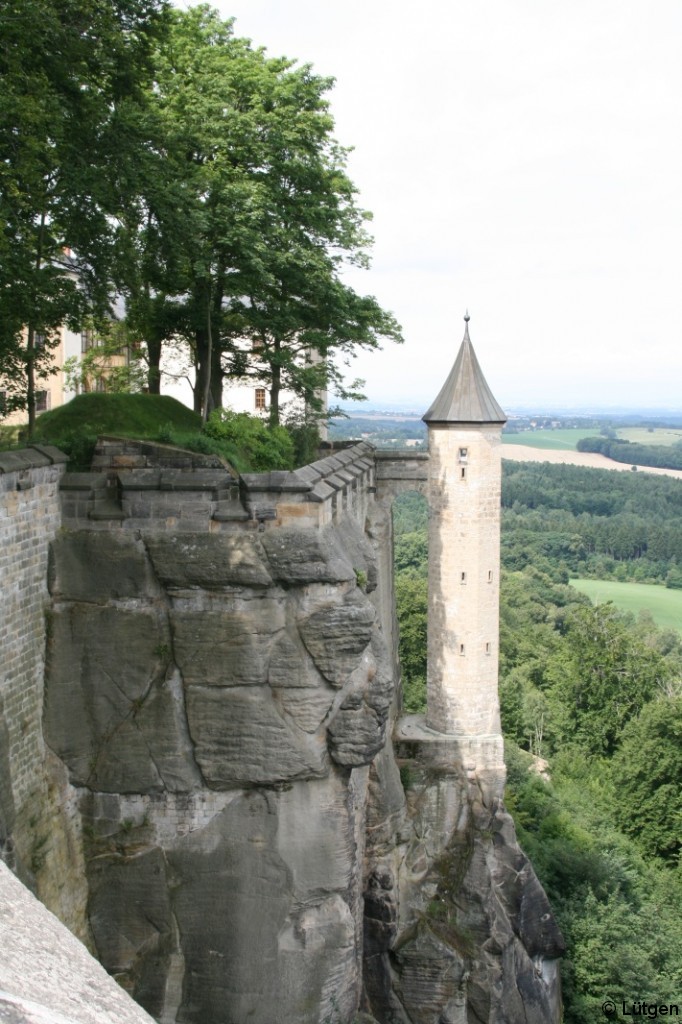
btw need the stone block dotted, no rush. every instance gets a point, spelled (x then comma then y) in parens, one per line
(357, 731)
(211, 562)
(227, 646)
(337, 636)
(240, 738)
(106, 698)
(300, 555)
(95, 567)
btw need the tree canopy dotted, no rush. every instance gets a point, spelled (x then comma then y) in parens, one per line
(269, 217)
(195, 174)
(72, 70)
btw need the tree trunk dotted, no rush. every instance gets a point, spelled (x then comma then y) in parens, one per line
(275, 388)
(31, 343)
(154, 369)
(216, 382)
(209, 366)
(216, 396)
(31, 381)
(200, 367)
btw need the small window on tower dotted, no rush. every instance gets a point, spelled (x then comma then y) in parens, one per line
(463, 473)
(462, 577)
(487, 648)
(461, 648)
(490, 575)
(463, 454)
(260, 398)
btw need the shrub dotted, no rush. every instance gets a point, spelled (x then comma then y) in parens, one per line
(264, 448)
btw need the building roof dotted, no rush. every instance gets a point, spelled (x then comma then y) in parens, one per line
(465, 397)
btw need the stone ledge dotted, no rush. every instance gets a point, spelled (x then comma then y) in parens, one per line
(46, 975)
(33, 457)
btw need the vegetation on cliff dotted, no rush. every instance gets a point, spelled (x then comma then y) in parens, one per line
(244, 441)
(596, 694)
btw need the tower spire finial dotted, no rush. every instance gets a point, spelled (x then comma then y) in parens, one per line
(467, 318)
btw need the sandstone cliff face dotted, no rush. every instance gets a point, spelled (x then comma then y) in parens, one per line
(225, 703)
(216, 700)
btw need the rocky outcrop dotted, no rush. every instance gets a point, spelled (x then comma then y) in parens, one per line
(458, 929)
(217, 699)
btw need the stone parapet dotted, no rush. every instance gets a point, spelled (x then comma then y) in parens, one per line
(400, 470)
(114, 453)
(187, 498)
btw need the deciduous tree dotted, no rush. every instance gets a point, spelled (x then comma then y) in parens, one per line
(71, 73)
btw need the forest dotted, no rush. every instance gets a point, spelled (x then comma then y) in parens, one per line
(591, 703)
(621, 450)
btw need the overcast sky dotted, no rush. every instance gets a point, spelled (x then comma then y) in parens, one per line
(522, 158)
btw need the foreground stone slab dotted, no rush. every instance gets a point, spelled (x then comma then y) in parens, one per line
(46, 975)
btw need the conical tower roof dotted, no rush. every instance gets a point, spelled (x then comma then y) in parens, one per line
(465, 397)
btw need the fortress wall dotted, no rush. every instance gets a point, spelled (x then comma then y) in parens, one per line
(39, 835)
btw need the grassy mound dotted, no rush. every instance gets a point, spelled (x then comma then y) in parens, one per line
(141, 416)
(242, 440)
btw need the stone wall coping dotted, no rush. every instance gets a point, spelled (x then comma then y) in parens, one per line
(334, 472)
(400, 454)
(83, 482)
(175, 479)
(160, 451)
(35, 456)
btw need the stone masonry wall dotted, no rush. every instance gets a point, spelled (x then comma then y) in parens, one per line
(39, 823)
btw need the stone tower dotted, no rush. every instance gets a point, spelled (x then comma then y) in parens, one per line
(465, 426)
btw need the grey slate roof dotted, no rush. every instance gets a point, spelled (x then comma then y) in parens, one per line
(465, 397)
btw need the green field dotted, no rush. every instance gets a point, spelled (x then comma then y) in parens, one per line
(565, 440)
(665, 605)
(657, 435)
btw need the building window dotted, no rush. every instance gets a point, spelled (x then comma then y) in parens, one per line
(87, 340)
(490, 575)
(42, 401)
(463, 454)
(260, 398)
(463, 473)
(3, 402)
(462, 577)
(487, 648)
(461, 649)
(38, 341)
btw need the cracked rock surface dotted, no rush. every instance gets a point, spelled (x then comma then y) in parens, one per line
(216, 700)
